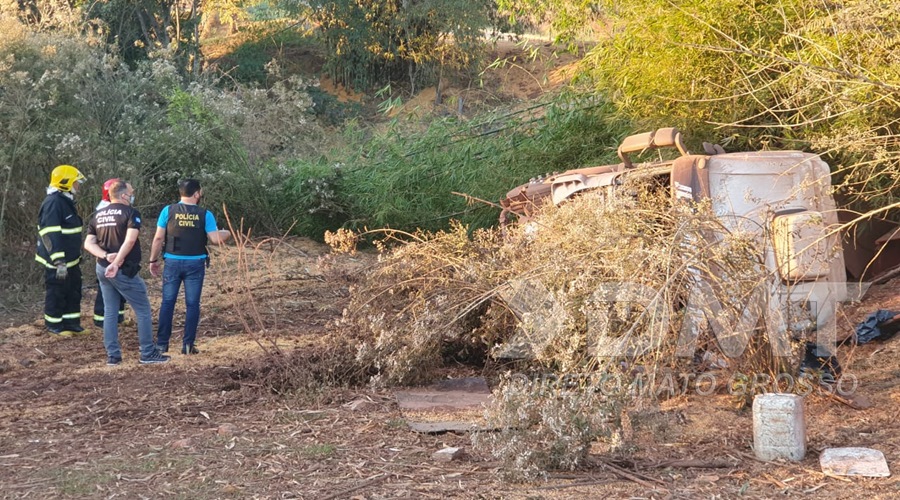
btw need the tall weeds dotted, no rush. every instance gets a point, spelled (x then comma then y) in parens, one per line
(404, 178)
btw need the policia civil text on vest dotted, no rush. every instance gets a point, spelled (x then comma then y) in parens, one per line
(183, 230)
(186, 230)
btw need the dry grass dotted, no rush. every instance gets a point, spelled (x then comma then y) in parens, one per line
(596, 286)
(70, 427)
(547, 282)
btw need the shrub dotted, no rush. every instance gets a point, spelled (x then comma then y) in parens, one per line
(543, 426)
(405, 177)
(67, 99)
(264, 135)
(309, 200)
(774, 74)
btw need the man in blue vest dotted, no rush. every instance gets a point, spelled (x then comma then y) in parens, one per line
(59, 252)
(182, 233)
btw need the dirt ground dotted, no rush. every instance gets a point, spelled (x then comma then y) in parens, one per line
(210, 426)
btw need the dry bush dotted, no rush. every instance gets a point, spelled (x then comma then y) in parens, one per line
(596, 286)
(421, 296)
(547, 284)
(546, 425)
(306, 374)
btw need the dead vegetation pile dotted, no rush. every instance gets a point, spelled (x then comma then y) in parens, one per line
(595, 287)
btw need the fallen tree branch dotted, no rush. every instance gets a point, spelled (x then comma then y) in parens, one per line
(686, 463)
(640, 479)
(886, 276)
(593, 482)
(369, 482)
(853, 402)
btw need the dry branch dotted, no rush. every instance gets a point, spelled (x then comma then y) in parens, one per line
(637, 478)
(365, 484)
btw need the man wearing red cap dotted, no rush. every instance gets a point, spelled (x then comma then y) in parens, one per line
(98, 302)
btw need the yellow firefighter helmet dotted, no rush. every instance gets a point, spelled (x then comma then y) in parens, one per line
(64, 176)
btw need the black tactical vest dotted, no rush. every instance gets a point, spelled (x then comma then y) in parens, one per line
(186, 230)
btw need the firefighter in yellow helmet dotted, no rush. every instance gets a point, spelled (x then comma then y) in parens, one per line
(59, 251)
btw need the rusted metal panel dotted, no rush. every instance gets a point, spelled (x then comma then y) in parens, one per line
(690, 178)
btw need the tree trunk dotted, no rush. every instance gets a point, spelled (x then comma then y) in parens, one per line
(148, 39)
(437, 93)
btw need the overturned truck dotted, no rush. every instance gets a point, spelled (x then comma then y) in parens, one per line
(782, 198)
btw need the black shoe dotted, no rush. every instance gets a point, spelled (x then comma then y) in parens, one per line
(75, 329)
(113, 361)
(59, 331)
(154, 358)
(98, 323)
(189, 349)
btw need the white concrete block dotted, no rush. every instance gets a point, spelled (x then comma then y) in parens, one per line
(854, 462)
(779, 427)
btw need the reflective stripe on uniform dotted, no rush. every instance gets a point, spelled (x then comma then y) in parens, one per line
(71, 230)
(51, 319)
(44, 262)
(48, 265)
(55, 256)
(98, 317)
(72, 316)
(50, 229)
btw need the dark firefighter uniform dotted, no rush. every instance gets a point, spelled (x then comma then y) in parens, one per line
(59, 242)
(98, 309)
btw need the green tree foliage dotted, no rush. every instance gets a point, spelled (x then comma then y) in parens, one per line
(765, 73)
(566, 18)
(372, 42)
(405, 178)
(67, 99)
(140, 27)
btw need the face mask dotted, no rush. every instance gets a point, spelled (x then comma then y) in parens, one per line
(131, 200)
